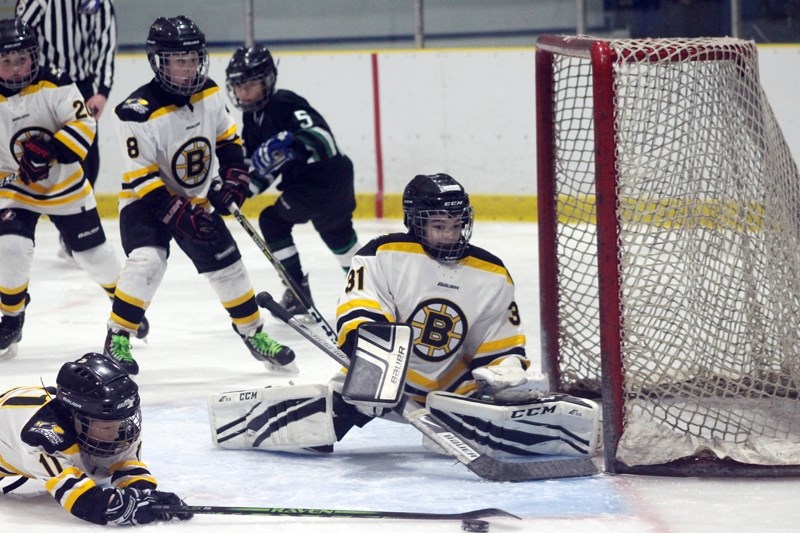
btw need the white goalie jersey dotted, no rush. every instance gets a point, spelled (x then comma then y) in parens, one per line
(174, 143)
(463, 314)
(52, 108)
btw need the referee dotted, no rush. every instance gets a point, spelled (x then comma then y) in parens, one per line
(78, 37)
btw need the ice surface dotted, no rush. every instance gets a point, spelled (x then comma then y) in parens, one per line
(192, 353)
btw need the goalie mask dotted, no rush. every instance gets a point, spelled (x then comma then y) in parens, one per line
(103, 402)
(437, 213)
(250, 77)
(176, 49)
(19, 54)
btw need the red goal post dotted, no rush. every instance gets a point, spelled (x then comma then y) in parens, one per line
(669, 230)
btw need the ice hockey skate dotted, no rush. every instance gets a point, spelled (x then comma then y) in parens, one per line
(10, 335)
(293, 305)
(118, 348)
(275, 356)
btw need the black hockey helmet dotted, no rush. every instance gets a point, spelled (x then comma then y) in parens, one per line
(437, 198)
(247, 64)
(104, 403)
(16, 36)
(175, 38)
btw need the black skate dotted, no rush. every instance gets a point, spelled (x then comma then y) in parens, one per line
(118, 348)
(273, 354)
(144, 329)
(292, 304)
(10, 335)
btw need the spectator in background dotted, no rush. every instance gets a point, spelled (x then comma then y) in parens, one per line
(78, 37)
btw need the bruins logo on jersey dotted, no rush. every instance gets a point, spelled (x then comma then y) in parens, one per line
(19, 138)
(192, 162)
(439, 329)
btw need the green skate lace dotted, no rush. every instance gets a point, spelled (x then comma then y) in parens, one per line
(121, 348)
(264, 344)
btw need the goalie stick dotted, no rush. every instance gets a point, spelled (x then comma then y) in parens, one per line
(287, 280)
(482, 465)
(331, 513)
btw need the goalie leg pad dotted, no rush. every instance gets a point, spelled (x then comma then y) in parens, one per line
(551, 425)
(290, 418)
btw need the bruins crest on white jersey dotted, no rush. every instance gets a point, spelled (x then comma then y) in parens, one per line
(174, 144)
(53, 108)
(463, 314)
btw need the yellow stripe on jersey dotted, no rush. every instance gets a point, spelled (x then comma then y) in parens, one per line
(83, 192)
(361, 304)
(68, 141)
(202, 95)
(163, 111)
(443, 381)
(8, 467)
(83, 483)
(501, 344)
(405, 247)
(480, 264)
(36, 87)
(134, 479)
(228, 134)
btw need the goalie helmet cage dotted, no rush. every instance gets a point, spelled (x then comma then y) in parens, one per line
(669, 268)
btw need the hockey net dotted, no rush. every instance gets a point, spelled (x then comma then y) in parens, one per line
(669, 220)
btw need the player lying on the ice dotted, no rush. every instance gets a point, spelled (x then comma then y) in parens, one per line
(466, 359)
(77, 435)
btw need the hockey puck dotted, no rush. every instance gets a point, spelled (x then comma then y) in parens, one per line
(470, 524)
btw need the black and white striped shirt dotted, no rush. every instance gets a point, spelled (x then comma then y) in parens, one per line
(81, 44)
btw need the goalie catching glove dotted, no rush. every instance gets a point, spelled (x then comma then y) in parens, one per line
(509, 382)
(131, 507)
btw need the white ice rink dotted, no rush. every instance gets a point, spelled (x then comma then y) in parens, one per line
(192, 352)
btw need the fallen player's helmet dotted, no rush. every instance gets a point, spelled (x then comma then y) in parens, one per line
(248, 64)
(16, 36)
(177, 39)
(438, 201)
(104, 403)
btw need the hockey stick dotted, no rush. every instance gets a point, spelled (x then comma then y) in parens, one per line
(7, 180)
(287, 280)
(481, 464)
(329, 513)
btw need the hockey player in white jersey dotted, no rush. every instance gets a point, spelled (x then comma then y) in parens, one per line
(82, 440)
(174, 129)
(46, 131)
(467, 361)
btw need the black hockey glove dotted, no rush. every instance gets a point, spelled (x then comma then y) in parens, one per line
(189, 221)
(274, 153)
(37, 158)
(235, 189)
(131, 507)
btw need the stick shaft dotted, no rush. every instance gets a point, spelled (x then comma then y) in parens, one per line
(327, 513)
(285, 277)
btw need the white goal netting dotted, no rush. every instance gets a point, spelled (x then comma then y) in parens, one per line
(708, 222)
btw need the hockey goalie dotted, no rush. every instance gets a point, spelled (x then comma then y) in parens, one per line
(451, 341)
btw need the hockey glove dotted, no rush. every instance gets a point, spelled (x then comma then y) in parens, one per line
(508, 382)
(235, 189)
(274, 154)
(131, 507)
(37, 158)
(188, 221)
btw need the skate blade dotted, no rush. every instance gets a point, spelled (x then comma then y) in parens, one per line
(8, 353)
(290, 368)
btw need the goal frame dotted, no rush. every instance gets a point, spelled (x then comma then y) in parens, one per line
(602, 58)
